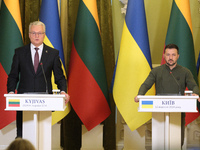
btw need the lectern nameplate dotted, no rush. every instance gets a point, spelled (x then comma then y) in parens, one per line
(35, 102)
(167, 103)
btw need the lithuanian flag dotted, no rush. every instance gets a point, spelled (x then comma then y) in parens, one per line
(14, 102)
(180, 33)
(87, 77)
(10, 38)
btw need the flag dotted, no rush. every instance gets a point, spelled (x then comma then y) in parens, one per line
(49, 15)
(180, 33)
(147, 104)
(87, 82)
(133, 65)
(10, 38)
(198, 64)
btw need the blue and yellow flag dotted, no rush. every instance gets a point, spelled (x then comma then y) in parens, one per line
(50, 17)
(133, 65)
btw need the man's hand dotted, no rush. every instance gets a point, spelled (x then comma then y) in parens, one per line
(136, 99)
(67, 97)
(193, 94)
(11, 92)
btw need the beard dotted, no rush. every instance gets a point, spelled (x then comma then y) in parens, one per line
(167, 62)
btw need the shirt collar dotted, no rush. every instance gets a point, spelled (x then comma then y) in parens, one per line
(169, 68)
(40, 47)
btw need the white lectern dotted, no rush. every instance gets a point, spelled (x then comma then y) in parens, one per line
(37, 110)
(166, 118)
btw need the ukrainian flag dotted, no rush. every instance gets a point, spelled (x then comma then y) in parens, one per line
(50, 17)
(133, 65)
(147, 104)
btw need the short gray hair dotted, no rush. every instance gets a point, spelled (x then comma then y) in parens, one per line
(37, 23)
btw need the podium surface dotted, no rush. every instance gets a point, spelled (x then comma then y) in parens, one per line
(37, 110)
(166, 118)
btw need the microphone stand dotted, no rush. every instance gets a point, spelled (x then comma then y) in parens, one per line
(176, 83)
(41, 64)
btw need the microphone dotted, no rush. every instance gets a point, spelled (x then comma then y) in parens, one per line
(41, 64)
(176, 82)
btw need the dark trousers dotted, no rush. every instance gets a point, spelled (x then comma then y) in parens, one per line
(182, 128)
(19, 123)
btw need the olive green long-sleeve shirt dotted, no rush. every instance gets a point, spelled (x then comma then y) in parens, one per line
(169, 81)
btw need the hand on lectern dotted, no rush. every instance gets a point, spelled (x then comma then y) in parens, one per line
(193, 94)
(136, 99)
(11, 92)
(67, 97)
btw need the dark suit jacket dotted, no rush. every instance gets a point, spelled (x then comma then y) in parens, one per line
(22, 71)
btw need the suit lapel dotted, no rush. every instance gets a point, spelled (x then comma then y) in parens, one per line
(29, 58)
(44, 57)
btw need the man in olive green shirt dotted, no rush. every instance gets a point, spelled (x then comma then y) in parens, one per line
(170, 79)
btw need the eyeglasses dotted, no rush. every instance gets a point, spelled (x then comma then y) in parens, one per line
(37, 33)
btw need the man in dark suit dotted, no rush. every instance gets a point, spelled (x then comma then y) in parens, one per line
(26, 72)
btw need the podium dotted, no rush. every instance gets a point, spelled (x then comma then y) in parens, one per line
(37, 110)
(166, 118)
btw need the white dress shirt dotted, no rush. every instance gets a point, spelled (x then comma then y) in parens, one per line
(33, 51)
